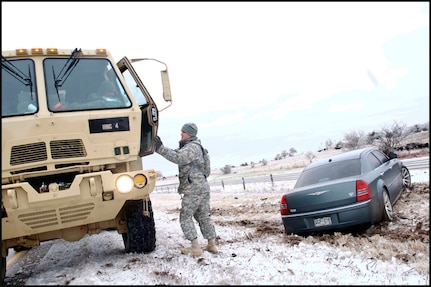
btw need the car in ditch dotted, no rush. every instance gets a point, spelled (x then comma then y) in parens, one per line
(352, 190)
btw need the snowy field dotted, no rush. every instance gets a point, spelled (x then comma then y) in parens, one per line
(254, 250)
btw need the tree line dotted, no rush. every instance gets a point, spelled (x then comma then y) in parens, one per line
(388, 139)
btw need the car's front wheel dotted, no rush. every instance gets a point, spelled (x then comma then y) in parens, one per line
(387, 207)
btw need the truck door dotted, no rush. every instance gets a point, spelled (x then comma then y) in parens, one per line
(150, 113)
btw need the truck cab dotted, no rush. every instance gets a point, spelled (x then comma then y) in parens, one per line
(75, 126)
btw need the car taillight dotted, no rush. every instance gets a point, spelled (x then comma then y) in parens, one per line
(283, 206)
(363, 191)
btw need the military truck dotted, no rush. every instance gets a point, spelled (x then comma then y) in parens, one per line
(75, 127)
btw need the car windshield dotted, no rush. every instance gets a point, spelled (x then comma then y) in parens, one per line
(329, 171)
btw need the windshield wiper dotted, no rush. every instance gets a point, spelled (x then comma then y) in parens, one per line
(17, 73)
(67, 68)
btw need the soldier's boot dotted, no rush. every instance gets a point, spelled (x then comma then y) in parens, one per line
(211, 247)
(195, 249)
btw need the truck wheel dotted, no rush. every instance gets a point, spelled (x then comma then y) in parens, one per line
(141, 232)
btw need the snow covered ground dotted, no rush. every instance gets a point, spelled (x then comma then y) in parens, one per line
(254, 250)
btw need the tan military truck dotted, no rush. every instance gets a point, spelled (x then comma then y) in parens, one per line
(75, 126)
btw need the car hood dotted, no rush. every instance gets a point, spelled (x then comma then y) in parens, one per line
(322, 196)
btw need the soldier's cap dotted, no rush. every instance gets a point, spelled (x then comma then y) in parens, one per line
(190, 128)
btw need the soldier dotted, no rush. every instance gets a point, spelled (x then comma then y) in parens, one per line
(194, 189)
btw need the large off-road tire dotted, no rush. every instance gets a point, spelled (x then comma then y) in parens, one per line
(141, 232)
(388, 211)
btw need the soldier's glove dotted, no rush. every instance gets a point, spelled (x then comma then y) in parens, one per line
(157, 142)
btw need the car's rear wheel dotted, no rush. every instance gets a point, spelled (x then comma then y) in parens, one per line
(387, 207)
(407, 180)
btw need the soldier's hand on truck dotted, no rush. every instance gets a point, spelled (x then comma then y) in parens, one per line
(157, 142)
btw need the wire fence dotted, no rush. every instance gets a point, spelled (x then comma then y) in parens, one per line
(270, 180)
(245, 182)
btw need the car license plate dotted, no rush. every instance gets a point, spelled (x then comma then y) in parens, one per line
(322, 221)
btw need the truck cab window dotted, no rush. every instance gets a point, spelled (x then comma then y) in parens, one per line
(89, 85)
(19, 95)
(136, 91)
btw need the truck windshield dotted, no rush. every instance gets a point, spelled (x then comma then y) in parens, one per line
(18, 89)
(91, 84)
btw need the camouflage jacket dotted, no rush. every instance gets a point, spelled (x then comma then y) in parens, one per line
(190, 162)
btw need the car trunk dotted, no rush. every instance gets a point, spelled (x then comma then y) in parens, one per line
(322, 196)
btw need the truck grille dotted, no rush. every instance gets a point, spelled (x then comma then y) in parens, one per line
(50, 218)
(67, 149)
(27, 153)
(35, 152)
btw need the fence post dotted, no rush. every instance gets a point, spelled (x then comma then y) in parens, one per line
(243, 183)
(272, 180)
(222, 184)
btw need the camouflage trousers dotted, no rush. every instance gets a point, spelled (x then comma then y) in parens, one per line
(197, 207)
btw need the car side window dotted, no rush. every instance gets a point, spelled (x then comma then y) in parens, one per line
(373, 160)
(381, 156)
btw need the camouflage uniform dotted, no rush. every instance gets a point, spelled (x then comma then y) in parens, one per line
(193, 187)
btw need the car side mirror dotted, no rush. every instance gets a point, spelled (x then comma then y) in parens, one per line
(392, 155)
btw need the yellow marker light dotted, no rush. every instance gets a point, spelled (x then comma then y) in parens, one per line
(153, 174)
(52, 51)
(140, 180)
(101, 51)
(37, 51)
(21, 52)
(124, 183)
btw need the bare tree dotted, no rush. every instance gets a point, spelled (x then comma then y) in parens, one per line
(310, 156)
(354, 140)
(328, 143)
(227, 169)
(292, 151)
(284, 154)
(372, 136)
(391, 136)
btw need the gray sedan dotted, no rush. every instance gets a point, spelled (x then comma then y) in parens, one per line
(349, 190)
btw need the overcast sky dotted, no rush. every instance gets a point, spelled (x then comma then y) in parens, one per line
(259, 77)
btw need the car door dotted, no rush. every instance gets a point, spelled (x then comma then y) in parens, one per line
(390, 172)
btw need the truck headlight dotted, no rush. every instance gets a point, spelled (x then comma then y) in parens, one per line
(124, 183)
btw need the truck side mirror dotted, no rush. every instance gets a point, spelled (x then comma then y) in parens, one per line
(166, 86)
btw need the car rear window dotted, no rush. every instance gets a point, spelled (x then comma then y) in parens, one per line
(329, 171)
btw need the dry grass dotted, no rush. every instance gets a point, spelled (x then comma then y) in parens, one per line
(405, 238)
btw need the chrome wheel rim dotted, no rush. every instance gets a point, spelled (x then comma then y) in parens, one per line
(387, 205)
(406, 177)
